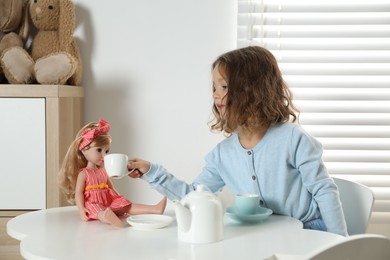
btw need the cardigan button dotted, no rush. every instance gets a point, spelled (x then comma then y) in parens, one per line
(249, 152)
(253, 177)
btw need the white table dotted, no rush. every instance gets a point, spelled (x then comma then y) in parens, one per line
(58, 233)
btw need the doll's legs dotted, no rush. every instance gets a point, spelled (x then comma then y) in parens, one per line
(159, 208)
(109, 217)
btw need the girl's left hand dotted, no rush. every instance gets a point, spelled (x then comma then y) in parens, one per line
(135, 173)
(137, 167)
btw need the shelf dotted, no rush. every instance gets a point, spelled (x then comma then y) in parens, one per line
(64, 107)
(36, 90)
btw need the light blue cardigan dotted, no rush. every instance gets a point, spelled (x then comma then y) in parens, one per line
(285, 168)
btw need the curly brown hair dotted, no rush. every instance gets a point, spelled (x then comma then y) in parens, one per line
(257, 94)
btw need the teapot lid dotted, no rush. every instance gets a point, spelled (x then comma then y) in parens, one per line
(201, 188)
(201, 192)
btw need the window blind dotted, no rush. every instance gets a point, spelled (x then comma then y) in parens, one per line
(335, 56)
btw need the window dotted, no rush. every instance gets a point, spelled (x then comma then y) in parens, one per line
(335, 56)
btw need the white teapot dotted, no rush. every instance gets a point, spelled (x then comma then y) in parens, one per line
(199, 217)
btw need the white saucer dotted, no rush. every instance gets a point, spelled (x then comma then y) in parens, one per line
(261, 214)
(149, 221)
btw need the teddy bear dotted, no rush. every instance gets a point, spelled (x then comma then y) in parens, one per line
(53, 57)
(13, 31)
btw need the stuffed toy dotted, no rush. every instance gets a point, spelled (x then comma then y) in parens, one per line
(13, 31)
(54, 57)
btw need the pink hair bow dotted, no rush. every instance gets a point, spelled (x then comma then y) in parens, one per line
(90, 134)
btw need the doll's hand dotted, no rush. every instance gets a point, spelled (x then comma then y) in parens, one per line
(83, 214)
(137, 167)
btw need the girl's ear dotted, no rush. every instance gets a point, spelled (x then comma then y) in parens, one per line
(67, 23)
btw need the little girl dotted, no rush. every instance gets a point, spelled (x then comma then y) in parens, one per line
(84, 179)
(266, 152)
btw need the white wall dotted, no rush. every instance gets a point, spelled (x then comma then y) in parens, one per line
(147, 71)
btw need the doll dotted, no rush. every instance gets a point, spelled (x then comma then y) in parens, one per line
(84, 180)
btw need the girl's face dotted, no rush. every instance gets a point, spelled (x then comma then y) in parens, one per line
(95, 155)
(220, 90)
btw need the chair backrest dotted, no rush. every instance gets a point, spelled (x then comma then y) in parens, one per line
(357, 201)
(356, 247)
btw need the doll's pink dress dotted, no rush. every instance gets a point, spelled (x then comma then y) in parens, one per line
(98, 196)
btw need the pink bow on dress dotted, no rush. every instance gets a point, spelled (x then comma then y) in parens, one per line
(90, 134)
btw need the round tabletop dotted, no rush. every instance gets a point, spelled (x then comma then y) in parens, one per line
(58, 233)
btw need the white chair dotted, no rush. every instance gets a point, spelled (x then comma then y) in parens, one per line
(356, 247)
(357, 201)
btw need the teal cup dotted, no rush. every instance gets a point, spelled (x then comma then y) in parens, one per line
(247, 203)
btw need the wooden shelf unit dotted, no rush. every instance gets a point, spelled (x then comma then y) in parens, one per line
(63, 119)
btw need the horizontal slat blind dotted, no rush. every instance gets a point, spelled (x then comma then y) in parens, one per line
(335, 56)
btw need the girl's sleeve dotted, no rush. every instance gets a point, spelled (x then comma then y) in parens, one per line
(166, 183)
(315, 177)
(173, 188)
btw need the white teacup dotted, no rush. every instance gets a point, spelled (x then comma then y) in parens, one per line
(116, 165)
(247, 203)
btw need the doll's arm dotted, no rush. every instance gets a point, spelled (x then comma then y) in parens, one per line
(79, 196)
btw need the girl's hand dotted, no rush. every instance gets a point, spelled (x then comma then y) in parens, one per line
(137, 167)
(83, 214)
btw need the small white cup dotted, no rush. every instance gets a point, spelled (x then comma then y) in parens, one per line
(116, 165)
(247, 203)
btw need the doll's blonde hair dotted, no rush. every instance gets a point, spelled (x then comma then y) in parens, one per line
(74, 160)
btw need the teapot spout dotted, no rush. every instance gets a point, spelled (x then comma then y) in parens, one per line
(183, 216)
